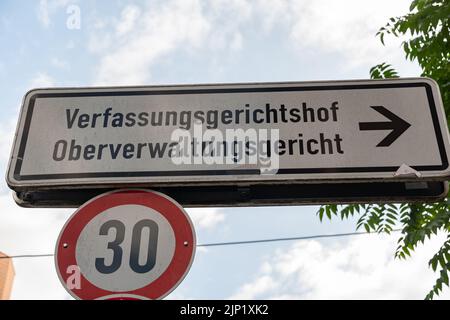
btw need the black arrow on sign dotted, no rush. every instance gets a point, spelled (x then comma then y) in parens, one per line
(396, 124)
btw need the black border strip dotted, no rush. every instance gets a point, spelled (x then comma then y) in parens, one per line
(253, 195)
(32, 101)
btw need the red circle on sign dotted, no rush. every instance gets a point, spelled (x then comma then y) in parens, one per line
(65, 252)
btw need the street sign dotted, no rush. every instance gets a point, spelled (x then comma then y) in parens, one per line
(125, 244)
(230, 134)
(189, 137)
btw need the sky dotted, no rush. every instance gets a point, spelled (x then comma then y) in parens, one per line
(64, 43)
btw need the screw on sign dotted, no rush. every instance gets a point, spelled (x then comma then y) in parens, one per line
(125, 245)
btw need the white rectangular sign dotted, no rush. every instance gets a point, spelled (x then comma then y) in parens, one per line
(231, 133)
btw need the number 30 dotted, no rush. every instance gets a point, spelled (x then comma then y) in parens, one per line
(135, 246)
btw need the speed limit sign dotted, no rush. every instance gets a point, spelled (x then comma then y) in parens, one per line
(126, 244)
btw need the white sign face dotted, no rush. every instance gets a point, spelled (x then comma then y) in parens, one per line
(269, 132)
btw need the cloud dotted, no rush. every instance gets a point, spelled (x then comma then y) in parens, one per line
(144, 35)
(47, 8)
(59, 63)
(206, 218)
(128, 20)
(37, 280)
(43, 13)
(150, 35)
(347, 28)
(362, 268)
(42, 80)
(259, 286)
(26, 231)
(227, 21)
(132, 44)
